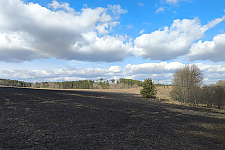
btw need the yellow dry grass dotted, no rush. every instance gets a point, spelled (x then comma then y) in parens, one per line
(163, 94)
(130, 91)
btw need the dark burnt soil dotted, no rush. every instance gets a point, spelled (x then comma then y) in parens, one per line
(54, 119)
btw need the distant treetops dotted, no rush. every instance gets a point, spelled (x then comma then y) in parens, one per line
(81, 84)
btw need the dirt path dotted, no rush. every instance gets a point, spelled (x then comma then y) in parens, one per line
(60, 119)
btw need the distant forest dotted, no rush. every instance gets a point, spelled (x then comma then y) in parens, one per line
(81, 84)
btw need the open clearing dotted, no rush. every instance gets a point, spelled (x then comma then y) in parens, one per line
(79, 119)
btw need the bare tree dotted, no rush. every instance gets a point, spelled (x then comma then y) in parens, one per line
(221, 83)
(186, 83)
(214, 95)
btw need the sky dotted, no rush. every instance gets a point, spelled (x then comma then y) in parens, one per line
(69, 40)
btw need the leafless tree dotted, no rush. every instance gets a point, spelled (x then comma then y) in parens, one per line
(213, 96)
(186, 83)
(221, 83)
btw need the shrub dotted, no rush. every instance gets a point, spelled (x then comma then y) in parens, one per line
(148, 90)
(213, 96)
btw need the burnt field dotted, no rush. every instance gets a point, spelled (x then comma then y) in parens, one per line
(59, 119)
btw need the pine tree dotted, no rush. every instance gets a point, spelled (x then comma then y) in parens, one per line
(149, 89)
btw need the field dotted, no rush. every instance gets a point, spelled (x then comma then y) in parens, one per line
(81, 119)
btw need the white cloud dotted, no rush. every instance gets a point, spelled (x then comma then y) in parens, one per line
(209, 50)
(105, 28)
(212, 23)
(162, 72)
(115, 69)
(142, 31)
(212, 73)
(141, 4)
(129, 26)
(153, 68)
(171, 1)
(117, 10)
(211, 68)
(171, 42)
(160, 9)
(56, 5)
(93, 48)
(13, 48)
(148, 24)
(57, 75)
(174, 1)
(43, 33)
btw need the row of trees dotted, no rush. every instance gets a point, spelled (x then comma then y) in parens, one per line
(8, 82)
(103, 84)
(187, 88)
(81, 84)
(130, 82)
(213, 95)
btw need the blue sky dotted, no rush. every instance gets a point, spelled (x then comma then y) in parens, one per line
(45, 40)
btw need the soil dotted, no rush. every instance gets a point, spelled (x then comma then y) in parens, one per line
(64, 119)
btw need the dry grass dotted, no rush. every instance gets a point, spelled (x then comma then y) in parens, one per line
(163, 94)
(130, 91)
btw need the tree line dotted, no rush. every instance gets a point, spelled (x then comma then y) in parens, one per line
(130, 82)
(8, 82)
(81, 84)
(187, 88)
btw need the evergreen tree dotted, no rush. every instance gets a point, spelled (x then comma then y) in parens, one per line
(149, 89)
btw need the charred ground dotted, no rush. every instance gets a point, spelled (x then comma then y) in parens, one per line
(57, 119)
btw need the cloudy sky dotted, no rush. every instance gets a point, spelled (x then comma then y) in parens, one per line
(45, 40)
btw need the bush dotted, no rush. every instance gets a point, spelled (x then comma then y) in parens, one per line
(148, 90)
(213, 96)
